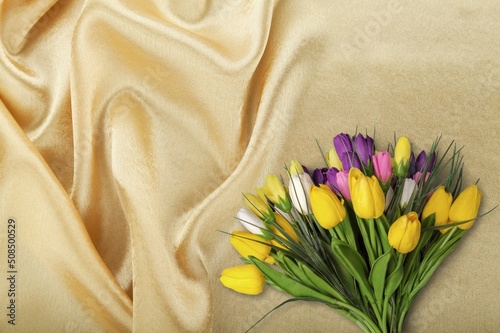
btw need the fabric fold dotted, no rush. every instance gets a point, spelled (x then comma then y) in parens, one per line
(129, 130)
(54, 258)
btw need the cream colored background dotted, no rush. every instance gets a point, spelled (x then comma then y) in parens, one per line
(129, 129)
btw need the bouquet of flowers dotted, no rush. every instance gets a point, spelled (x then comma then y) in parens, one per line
(363, 234)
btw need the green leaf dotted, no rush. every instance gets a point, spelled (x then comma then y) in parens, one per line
(393, 281)
(354, 264)
(429, 221)
(319, 283)
(377, 276)
(289, 285)
(382, 234)
(345, 277)
(348, 229)
(293, 269)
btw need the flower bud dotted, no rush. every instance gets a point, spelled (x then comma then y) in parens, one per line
(364, 147)
(248, 244)
(383, 168)
(402, 154)
(408, 188)
(404, 233)
(332, 159)
(366, 195)
(295, 168)
(466, 206)
(345, 151)
(326, 207)
(339, 180)
(258, 206)
(319, 176)
(439, 203)
(245, 279)
(251, 222)
(275, 192)
(299, 187)
(287, 228)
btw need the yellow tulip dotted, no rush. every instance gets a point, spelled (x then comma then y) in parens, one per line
(466, 206)
(247, 244)
(245, 279)
(287, 227)
(404, 233)
(402, 154)
(439, 203)
(258, 206)
(276, 193)
(367, 197)
(326, 206)
(333, 160)
(402, 151)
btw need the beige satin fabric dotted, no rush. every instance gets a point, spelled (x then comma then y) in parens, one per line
(129, 130)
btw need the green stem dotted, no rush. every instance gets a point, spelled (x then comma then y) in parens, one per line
(340, 233)
(365, 319)
(439, 244)
(374, 242)
(349, 232)
(402, 319)
(366, 239)
(384, 311)
(333, 233)
(383, 228)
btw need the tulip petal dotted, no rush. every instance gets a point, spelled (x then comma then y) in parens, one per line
(250, 221)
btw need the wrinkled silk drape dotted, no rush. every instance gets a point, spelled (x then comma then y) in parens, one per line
(129, 129)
